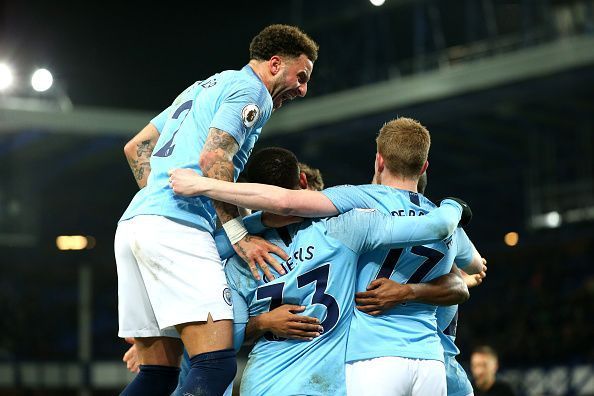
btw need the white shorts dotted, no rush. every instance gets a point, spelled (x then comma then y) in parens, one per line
(396, 376)
(168, 274)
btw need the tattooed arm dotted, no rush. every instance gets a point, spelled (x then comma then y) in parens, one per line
(138, 153)
(216, 162)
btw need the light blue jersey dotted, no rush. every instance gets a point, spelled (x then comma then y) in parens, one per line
(458, 383)
(234, 101)
(410, 329)
(320, 276)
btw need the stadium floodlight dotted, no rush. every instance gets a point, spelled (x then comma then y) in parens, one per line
(377, 3)
(71, 242)
(6, 77)
(511, 238)
(553, 219)
(42, 80)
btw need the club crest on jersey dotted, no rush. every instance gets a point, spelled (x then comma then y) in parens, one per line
(227, 296)
(250, 114)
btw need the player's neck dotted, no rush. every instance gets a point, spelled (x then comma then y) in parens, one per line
(399, 182)
(260, 69)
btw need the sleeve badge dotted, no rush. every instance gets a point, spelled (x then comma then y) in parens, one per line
(250, 114)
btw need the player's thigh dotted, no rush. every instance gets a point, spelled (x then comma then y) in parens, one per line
(182, 272)
(202, 337)
(162, 351)
(383, 376)
(135, 312)
(430, 379)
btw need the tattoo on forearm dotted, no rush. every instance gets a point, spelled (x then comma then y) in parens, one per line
(219, 149)
(141, 165)
(139, 168)
(144, 148)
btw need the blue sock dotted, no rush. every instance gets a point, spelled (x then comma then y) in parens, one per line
(211, 373)
(153, 380)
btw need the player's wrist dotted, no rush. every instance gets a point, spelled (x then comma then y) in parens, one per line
(235, 230)
(414, 292)
(263, 323)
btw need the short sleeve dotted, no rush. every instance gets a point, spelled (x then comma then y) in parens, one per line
(160, 120)
(348, 197)
(239, 111)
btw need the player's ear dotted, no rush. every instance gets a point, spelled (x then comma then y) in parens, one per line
(303, 181)
(424, 169)
(379, 163)
(274, 64)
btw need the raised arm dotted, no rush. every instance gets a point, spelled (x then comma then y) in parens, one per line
(216, 162)
(254, 196)
(138, 152)
(363, 230)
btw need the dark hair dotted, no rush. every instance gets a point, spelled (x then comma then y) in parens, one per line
(283, 40)
(274, 165)
(485, 350)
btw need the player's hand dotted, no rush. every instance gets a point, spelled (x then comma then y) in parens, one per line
(187, 182)
(381, 295)
(131, 357)
(466, 211)
(475, 279)
(272, 220)
(255, 251)
(283, 322)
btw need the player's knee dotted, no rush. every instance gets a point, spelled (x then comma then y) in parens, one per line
(164, 351)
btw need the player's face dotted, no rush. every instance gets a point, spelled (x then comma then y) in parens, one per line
(292, 80)
(483, 367)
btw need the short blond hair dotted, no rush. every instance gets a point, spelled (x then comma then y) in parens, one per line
(314, 177)
(404, 145)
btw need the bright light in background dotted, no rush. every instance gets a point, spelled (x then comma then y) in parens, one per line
(74, 242)
(6, 77)
(511, 238)
(553, 219)
(42, 80)
(377, 3)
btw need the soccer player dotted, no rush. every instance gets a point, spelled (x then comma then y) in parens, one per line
(401, 348)
(378, 299)
(165, 252)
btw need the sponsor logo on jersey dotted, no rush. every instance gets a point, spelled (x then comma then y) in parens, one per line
(250, 114)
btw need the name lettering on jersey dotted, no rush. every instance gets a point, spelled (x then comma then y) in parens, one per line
(300, 255)
(411, 212)
(209, 83)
